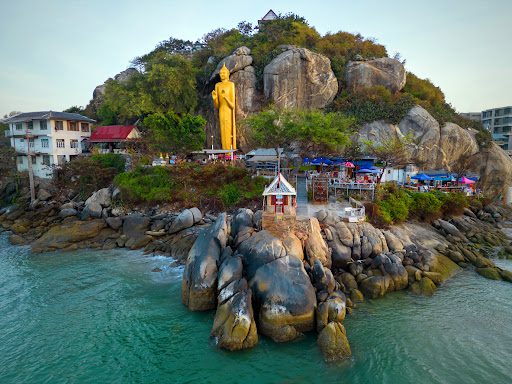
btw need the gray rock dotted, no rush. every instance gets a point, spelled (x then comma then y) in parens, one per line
(260, 249)
(299, 78)
(230, 270)
(43, 195)
(184, 220)
(385, 71)
(196, 214)
(114, 222)
(67, 212)
(243, 218)
(102, 197)
(286, 299)
(234, 327)
(92, 210)
(199, 283)
(315, 247)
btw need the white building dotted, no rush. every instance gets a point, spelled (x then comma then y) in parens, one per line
(52, 137)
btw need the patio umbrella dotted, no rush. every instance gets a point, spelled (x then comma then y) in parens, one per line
(317, 161)
(422, 177)
(365, 170)
(327, 162)
(465, 180)
(348, 164)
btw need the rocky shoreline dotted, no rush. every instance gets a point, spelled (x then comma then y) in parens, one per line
(279, 285)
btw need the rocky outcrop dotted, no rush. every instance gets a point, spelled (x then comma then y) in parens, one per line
(122, 77)
(447, 147)
(385, 72)
(234, 327)
(134, 229)
(285, 298)
(333, 342)
(299, 78)
(199, 284)
(61, 237)
(495, 169)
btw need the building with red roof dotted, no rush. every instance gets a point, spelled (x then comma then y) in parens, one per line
(114, 138)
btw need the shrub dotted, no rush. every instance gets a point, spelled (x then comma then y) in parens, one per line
(230, 195)
(84, 175)
(145, 184)
(376, 103)
(426, 206)
(393, 205)
(454, 203)
(111, 160)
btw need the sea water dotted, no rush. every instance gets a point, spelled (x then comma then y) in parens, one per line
(95, 316)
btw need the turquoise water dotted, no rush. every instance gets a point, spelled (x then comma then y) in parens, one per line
(104, 317)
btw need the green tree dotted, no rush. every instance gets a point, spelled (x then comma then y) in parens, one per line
(75, 109)
(315, 132)
(169, 132)
(392, 152)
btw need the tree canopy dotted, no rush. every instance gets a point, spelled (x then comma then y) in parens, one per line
(170, 132)
(312, 131)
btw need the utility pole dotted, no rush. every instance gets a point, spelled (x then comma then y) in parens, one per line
(30, 171)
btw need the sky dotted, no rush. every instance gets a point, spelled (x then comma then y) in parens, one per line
(53, 53)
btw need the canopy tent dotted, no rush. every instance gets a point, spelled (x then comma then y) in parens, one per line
(465, 180)
(422, 177)
(321, 161)
(366, 170)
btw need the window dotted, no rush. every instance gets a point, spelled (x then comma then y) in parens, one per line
(19, 126)
(43, 125)
(22, 141)
(45, 143)
(508, 111)
(74, 143)
(59, 125)
(85, 127)
(61, 159)
(30, 125)
(72, 126)
(46, 160)
(505, 147)
(31, 143)
(60, 143)
(34, 160)
(20, 159)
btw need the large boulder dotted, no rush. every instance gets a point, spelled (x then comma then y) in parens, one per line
(285, 297)
(62, 236)
(237, 61)
(385, 72)
(183, 221)
(234, 327)
(333, 342)
(425, 133)
(378, 132)
(456, 143)
(260, 249)
(299, 78)
(134, 228)
(315, 247)
(102, 197)
(199, 284)
(495, 169)
(243, 218)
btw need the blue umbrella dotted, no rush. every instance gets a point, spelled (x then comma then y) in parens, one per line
(327, 162)
(317, 161)
(422, 177)
(306, 160)
(365, 170)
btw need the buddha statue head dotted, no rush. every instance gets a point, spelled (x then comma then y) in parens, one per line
(224, 73)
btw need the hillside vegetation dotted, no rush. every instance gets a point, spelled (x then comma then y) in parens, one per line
(175, 76)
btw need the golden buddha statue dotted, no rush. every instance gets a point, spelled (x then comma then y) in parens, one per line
(224, 100)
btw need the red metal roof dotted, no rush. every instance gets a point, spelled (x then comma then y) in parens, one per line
(109, 133)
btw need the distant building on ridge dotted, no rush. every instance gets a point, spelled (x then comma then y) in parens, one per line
(269, 16)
